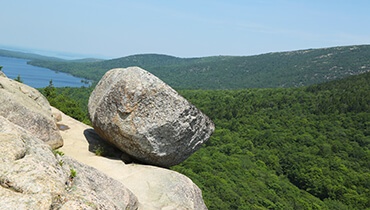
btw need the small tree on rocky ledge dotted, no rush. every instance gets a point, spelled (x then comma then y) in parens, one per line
(18, 79)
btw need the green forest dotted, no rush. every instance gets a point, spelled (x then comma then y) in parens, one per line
(302, 148)
(274, 148)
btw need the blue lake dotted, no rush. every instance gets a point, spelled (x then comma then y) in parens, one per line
(37, 77)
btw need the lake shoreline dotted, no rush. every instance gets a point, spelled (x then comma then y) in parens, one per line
(39, 77)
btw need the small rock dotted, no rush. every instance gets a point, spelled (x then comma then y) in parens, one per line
(62, 127)
(56, 114)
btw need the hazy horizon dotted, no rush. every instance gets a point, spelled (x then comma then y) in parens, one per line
(76, 56)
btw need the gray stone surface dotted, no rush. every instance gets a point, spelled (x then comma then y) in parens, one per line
(32, 177)
(163, 188)
(146, 118)
(26, 107)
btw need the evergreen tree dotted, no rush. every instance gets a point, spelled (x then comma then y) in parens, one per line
(18, 79)
(50, 91)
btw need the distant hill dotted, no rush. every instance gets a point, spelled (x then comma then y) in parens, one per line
(283, 69)
(33, 56)
(87, 60)
(27, 56)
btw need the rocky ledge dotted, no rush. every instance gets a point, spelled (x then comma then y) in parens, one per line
(33, 175)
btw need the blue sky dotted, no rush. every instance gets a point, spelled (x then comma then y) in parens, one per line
(117, 28)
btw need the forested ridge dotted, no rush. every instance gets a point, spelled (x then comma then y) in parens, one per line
(283, 69)
(275, 148)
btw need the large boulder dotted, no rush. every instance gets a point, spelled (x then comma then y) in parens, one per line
(32, 177)
(28, 108)
(146, 118)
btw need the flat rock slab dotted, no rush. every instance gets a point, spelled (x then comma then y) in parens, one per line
(146, 118)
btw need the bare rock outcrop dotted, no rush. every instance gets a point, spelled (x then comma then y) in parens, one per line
(29, 109)
(32, 177)
(147, 119)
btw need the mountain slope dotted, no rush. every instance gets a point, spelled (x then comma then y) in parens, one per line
(284, 69)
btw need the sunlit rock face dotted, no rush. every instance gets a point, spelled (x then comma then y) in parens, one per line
(29, 109)
(32, 177)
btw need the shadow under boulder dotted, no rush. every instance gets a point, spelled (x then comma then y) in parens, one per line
(103, 148)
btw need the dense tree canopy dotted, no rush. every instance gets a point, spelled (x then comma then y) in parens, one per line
(303, 148)
(71, 101)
